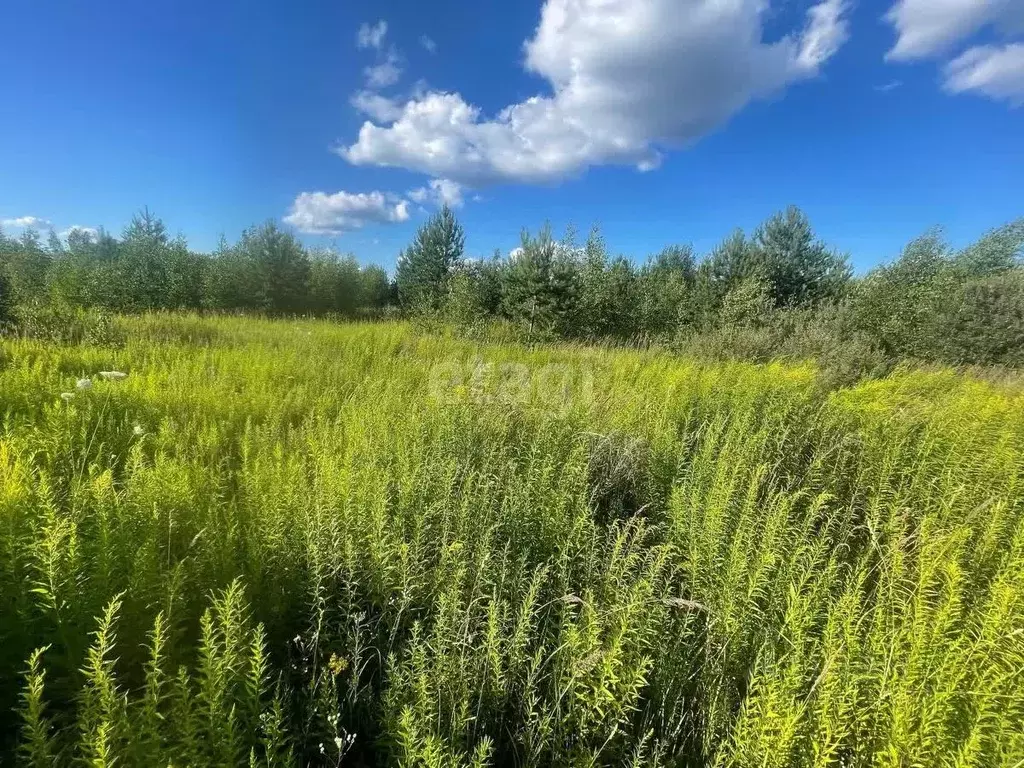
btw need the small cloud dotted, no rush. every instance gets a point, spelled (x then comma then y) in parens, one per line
(428, 44)
(440, 192)
(318, 213)
(25, 222)
(385, 73)
(890, 86)
(380, 108)
(372, 36)
(990, 70)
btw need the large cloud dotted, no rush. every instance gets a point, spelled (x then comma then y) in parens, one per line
(322, 214)
(931, 27)
(627, 77)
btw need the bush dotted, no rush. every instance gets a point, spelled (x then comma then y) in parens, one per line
(983, 322)
(826, 336)
(67, 326)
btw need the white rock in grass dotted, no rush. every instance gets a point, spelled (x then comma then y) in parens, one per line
(113, 375)
(83, 384)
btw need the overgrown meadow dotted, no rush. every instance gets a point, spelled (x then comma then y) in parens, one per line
(295, 543)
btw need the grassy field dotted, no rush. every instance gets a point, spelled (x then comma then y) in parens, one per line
(298, 543)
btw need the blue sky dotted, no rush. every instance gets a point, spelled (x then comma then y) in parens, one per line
(666, 121)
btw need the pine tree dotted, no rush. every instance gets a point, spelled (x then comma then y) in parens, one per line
(425, 267)
(142, 262)
(802, 270)
(278, 267)
(539, 290)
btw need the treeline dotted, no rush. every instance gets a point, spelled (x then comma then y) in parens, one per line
(267, 270)
(779, 292)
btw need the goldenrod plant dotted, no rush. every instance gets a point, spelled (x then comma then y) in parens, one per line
(227, 541)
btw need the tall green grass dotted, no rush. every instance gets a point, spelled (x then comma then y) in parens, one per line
(296, 543)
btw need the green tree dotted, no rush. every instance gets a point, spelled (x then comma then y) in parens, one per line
(275, 266)
(664, 291)
(142, 263)
(749, 304)
(983, 321)
(26, 263)
(593, 307)
(538, 290)
(425, 267)
(377, 290)
(186, 276)
(731, 262)
(896, 304)
(336, 284)
(5, 284)
(801, 270)
(996, 252)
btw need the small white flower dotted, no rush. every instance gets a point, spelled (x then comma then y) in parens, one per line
(83, 384)
(138, 431)
(113, 375)
(67, 397)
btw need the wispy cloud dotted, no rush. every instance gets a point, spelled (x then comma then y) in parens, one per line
(890, 86)
(990, 70)
(428, 43)
(933, 29)
(372, 36)
(385, 73)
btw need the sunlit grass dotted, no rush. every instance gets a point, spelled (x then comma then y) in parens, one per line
(299, 543)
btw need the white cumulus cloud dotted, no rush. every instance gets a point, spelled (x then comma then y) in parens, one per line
(627, 77)
(320, 213)
(24, 222)
(991, 70)
(932, 27)
(439, 192)
(372, 35)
